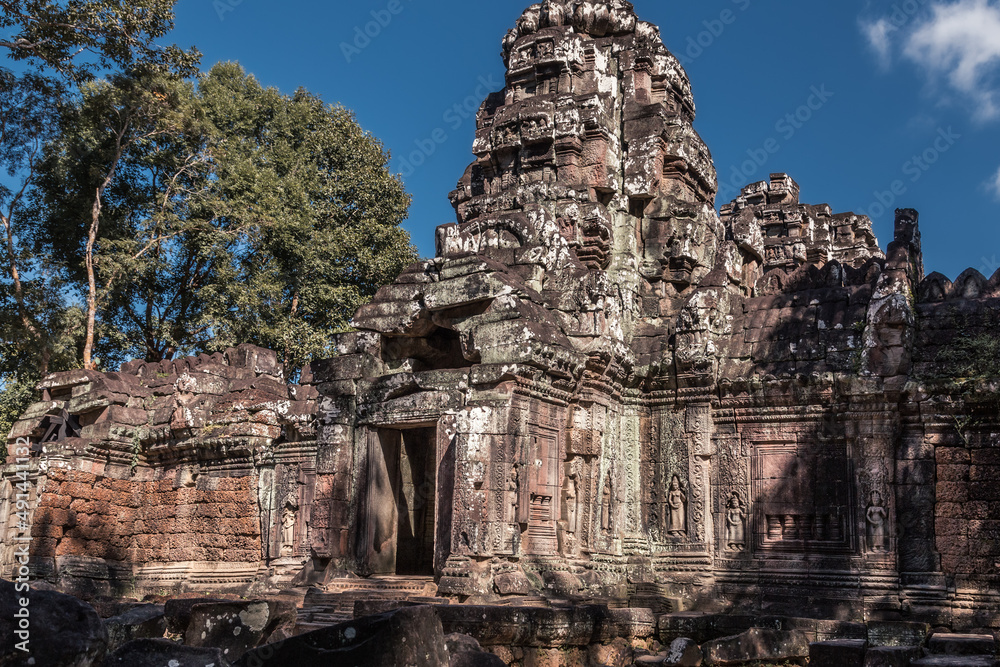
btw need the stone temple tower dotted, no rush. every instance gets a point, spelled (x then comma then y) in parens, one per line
(600, 387)
(585, 229)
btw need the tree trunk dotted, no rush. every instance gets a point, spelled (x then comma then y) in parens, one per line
(95, 221)
(291, 318)
(22, 310)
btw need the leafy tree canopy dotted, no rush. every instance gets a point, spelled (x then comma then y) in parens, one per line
(149, 211)
(79, 39)
(320, 208)
(233, 213)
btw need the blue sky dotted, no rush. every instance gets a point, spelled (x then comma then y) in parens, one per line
(903, 94)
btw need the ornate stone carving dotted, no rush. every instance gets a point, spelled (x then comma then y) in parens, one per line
(596, 373)
(607, 505)
(735, 524)
(287, 530)
(571, 504)
(677, 509)
(876, 519)
(511, 494)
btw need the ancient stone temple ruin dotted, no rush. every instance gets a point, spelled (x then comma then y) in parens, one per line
(601, 388)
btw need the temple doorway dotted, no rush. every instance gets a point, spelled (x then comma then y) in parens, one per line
(401, 501)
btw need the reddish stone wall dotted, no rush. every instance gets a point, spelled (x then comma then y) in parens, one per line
(81, 514)
(329, 519)
(967, 521)
(622, 390)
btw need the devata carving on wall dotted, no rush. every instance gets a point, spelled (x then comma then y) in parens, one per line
(599, 381)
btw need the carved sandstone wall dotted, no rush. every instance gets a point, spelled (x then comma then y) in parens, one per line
(599, 388)
(160, 473)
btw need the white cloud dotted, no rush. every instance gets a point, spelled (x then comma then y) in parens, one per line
(960, 42)
(879, 38)
(995, 184)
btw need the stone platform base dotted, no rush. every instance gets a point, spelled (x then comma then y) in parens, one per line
(91, 577)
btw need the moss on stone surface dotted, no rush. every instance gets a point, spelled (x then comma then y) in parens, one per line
(970, 358)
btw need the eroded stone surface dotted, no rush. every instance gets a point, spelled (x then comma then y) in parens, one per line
(140, 622)
(683, 652)
(897, 633)
(233, 627)
(892, 656)
(41, 627)
(148, 652)
(411, 636)
(838, 653)
(599, 390)
(756, 644)
(465, 651)
(956, 644)
(956, 661)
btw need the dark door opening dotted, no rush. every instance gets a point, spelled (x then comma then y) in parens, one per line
(410, 473)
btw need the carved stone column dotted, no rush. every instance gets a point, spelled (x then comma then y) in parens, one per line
(699, 426)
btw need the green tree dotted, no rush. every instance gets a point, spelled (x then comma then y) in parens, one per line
(131, 219)
(52, 45)
(79, 39)
(321, 210)
(210, 217)
(28, 113)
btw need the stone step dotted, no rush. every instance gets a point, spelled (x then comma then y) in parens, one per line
(372, 606)
(946, 643)
(892, 656)
(838, 653)
(428, 600)
(414, 585)
(956, 661)
(330, 619)
(303, 628)
(659, 604)
(336, 603)
(523, 601)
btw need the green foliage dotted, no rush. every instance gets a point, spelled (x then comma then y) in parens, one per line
(971, 358)
(78, 38)
(29, 295)
(57, 44)
(15, 398)
(232, 213)
(321, 210)
(62, 327)
(146, 137)
(185, 216)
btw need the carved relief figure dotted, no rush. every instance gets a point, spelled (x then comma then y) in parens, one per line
(876, 523)
(571, 503)
(288, 525)
(606, 504)
(287, 531)
(511, 497)
(188, 478)
(677, 509)
(735, 518)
